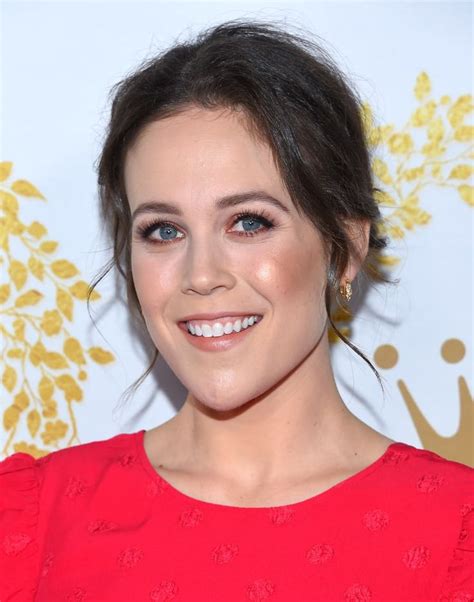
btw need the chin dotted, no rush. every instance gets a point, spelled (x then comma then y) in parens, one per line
(222, 403)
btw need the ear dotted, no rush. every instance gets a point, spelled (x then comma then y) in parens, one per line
(358, 231)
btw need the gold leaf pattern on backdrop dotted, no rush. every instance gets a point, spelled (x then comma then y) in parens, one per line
(36, 267)
(4, 293)
(101, 356)
(49, 246)
(29, 298)
(33, 421)
(18, 273)
(64, 302)
(5, 170)
(26, 188)
(73, 350)
(72, 390)
(46, 388)
(42, 363)
(422, 86)
(54, 360)
(431, 150)
(9, 378)
(37, 230)
(8, 203)
(466, 192)
(51, 322)
(461, 172)
(79, 290)
(63, 268)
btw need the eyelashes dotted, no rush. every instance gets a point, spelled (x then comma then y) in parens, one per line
(145, 231)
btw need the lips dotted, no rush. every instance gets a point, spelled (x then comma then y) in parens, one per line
(226, 342)
(222, 314)
(184, 325)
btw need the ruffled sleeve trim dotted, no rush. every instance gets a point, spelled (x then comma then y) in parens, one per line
(19, 513)
(459, 583)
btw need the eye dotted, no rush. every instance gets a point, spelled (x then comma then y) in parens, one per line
(165, 228)
(168, 231)
(252, 218)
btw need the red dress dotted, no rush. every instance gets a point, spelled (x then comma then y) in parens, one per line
(96, 522)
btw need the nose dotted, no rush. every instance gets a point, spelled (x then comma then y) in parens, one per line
(206, 268)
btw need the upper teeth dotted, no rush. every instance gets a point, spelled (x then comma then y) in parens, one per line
(217, 329)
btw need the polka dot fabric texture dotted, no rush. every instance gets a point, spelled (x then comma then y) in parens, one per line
(96, 522)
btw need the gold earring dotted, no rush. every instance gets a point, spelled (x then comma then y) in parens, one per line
(346, 290)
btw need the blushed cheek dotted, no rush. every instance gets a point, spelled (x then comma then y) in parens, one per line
(290, 272)
(294, 277)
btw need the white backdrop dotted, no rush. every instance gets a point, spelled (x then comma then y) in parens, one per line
(59, 60)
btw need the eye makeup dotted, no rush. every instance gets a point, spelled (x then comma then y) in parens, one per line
(145, 230)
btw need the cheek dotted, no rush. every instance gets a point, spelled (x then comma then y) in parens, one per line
(295, 274)
(151, 278)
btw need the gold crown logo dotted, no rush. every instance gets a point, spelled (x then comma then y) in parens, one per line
(460, 445)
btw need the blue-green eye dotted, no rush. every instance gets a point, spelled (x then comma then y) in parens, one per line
(257, 221)
(249, 220)
(254, 218)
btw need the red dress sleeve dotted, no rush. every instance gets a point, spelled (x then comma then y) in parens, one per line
(459, 583)
(19, 510)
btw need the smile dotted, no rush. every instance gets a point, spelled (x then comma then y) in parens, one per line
(232, 333)
(219, 329)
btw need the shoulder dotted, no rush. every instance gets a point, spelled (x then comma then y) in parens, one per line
(427, 486)
(436, 498)
(86, 457)
(434, 495)
(92, 453)
(427, 474)
(31, 490)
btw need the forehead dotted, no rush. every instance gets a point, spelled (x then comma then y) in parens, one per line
(200, 154)
(196, 124)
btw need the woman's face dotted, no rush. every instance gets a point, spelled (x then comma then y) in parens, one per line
(205, 263)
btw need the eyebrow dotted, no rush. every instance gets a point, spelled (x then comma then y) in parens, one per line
(230, 200)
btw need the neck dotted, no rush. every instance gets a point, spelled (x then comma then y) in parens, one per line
(300, 425)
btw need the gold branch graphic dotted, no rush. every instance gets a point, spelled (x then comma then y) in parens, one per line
(433, 149)
(42, 382)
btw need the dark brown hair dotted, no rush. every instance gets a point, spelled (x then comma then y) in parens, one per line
(294, 97)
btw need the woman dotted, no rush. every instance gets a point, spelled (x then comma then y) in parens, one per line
(235, 181)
